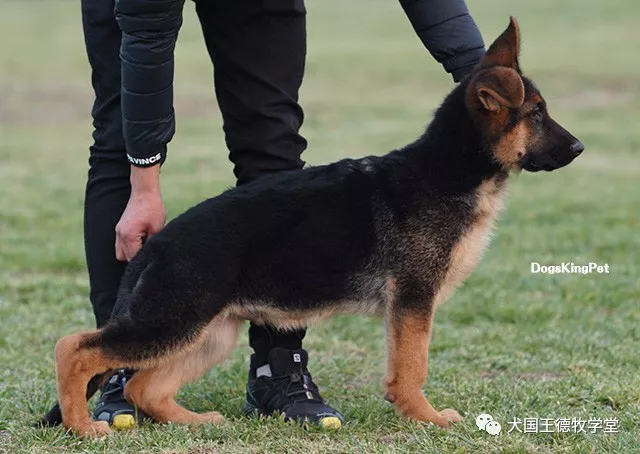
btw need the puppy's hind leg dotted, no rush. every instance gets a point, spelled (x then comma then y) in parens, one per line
(120, 344)
(54, 415)
(76, 365)
(153, 390)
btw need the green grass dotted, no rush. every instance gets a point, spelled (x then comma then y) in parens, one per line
(508, 343)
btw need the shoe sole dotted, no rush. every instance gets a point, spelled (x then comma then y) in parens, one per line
(327, 422)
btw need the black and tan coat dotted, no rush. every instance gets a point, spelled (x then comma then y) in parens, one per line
(390, 236)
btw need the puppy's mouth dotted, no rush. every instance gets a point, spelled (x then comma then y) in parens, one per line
(533, 167)
(539, 163)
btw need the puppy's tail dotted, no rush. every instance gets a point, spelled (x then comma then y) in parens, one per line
(54, 416)
(132, 278)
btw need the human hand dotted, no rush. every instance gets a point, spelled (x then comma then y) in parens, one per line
(144, 215)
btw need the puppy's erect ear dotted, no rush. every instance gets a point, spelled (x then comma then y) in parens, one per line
(505, 49)
(498, 87)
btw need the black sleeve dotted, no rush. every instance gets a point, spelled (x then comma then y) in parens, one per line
(448, 31)
(149, 33)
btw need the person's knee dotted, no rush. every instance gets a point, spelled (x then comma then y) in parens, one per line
(264, 147)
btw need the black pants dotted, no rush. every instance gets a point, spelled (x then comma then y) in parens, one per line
(258, 50)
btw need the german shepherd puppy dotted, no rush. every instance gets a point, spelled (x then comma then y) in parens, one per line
(390, 236)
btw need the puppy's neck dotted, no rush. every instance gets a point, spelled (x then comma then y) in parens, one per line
(451, 156)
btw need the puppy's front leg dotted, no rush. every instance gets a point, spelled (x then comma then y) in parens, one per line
(408, 336)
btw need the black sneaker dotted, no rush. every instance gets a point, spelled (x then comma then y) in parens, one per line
(289, 390)
(113, 407)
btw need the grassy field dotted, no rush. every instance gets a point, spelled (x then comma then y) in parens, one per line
(509, 343)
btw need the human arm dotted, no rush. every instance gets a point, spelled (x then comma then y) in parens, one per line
(149, 34)
(448, 31)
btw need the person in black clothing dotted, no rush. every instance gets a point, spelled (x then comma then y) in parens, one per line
(258, 53)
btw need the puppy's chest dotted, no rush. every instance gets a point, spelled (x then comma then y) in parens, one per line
(468, 249)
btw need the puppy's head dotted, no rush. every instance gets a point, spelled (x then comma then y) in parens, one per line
(511, 113)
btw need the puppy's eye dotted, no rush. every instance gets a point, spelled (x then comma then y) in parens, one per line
(537, 115)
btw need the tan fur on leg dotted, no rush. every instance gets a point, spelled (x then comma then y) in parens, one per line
(154, 390)
(408, 337)
(75, 366)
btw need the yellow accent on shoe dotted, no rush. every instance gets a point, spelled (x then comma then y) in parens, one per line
(123, 422)
(330, 422)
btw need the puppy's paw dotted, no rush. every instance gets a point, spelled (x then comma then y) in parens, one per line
(94, 429)
(212, 417)
(447, 417)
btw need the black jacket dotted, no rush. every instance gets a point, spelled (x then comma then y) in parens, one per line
(150, 30)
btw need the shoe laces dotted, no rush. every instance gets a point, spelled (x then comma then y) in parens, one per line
(297, 387)
(113, 390)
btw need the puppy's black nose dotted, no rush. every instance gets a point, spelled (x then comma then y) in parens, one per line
(576, 148)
